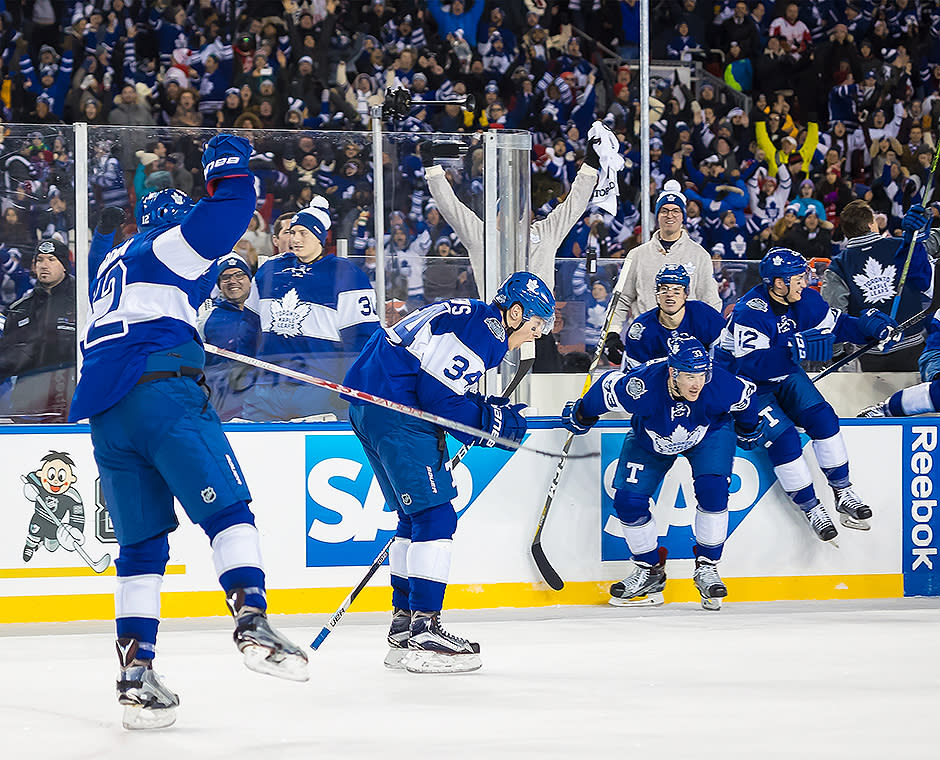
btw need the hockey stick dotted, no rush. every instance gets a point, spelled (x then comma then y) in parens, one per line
(931, 308)
(526, 360)
(538, 554)
(910, 251)
(420, 414)
(99, 565)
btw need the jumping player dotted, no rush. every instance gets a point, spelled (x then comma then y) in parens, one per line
(155, 435)
(680, 405)
(774, 327)
(430, 360)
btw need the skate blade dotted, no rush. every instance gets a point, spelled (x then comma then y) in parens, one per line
(139, 718)
(434, 662)
(850, 522)
(711, 603)
(647, 600)
(394, 657)
(280, 665)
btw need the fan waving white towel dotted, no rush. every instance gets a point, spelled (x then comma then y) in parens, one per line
(608, 150)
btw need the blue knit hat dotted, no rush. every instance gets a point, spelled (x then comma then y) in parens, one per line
(315, 218)
(232, 261)
(671, 195)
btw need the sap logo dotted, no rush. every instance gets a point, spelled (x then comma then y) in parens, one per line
(922, 507)
(347, 519)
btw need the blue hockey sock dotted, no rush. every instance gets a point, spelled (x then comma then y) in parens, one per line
(638, 526)
(429, 556)
(919, 399)
(398, 562)
(236, 552)
(144, 629)
(140, 569)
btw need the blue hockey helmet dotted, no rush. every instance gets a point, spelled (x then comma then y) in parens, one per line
(163, 208)
(687, 354)
(783, 263)
(532, 294)
(673, 274)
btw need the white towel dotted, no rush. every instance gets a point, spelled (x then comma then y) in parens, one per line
(608, 149)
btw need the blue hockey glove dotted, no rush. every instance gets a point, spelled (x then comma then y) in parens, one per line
(914, 221)
(225, 156)
(748, 440)
(574, 420)
(814, 345)
(876, 324)
(504, 420)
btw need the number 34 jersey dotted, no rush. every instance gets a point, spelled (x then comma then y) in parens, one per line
(432, 357)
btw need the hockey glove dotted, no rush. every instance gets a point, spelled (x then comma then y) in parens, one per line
(749, 440)
(503, 420)
(69, 537)
(814, 345)
(914, 221)
(111, 218)
(574, 420)
(590, 155)
(876, 324)
(613, 348)
(225, 156)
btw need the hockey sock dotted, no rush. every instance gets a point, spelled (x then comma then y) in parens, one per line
(429, 556)
(140, 569)
(919, 399)
(398, 562)
(822, 425)
(236, 552)
(638, 526)
(711, 516)
(791, 469)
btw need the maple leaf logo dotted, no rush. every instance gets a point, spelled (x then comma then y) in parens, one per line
(876, 284)
(679, 440)
(288, 314)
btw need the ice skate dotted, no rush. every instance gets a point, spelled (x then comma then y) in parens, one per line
(431, 649)
(265, 649)
(875, 410)
(147, 702)
(709, 583)
(398, 635)
(643, 587)
(821, 523)
(853, 513)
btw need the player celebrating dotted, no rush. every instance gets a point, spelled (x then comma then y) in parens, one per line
(648, 334)
(155, 435)
(774, 327)
(680, 405)
(429, 360)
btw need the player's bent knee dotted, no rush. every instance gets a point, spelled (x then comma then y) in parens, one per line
(434, 523)
(711, 492)
(632, 508)
(819, 421)
(234, 514)
(147, 557)
(785, 448)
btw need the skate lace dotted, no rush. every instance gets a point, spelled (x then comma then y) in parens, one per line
(708, 574)
(638, 579)
(439, 629)
(818, 518)
(849, 500)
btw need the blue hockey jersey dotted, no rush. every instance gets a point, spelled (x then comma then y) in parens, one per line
(145, 293)
(646, 338)
(664, 424)
(432, 358)
(224, 325)
(756, 341)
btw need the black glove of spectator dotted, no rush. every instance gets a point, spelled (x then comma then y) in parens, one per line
(426, 151)
(111, 218)
(613, 348)
(430, 150)
(590, 155)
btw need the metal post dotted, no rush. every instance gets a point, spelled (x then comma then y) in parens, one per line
(378, 226)
(645, 120)
(82, 240)
(342, 249)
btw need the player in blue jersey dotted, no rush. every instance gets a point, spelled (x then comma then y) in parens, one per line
(317, 312)
(430, 360)
(774, 327)
(648, 334)
(680, 405)
(155, 435)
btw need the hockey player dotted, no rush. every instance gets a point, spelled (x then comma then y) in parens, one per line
(680, 405)
(317, 311)
(58, 513)
(155, 435)
(430, 360)
(649, 333)
(774, 327)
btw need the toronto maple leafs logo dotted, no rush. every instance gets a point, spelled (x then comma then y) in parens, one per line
(635, 331)
(288, 314)
(532, 286)
(758, 304)
(777, 261)
(679, 440)
(635, 387)
(876, 284)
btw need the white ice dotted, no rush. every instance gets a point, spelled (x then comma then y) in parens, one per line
(766, 680)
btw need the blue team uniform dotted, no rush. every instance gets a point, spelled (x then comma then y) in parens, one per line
(646, 337)
(224, 325)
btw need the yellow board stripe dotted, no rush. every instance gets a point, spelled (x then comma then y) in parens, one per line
(72, 572)
(176, 604)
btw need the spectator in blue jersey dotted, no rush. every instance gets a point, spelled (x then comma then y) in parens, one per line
(156, 436)
(317, 311)
(431, 360)
(226, 323)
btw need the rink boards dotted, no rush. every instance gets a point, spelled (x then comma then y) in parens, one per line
(323, 520)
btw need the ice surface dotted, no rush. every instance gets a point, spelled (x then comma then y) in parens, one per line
(763, 680)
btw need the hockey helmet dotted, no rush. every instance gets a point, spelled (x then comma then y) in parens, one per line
(673, 274)
(533, 295)
(163, 208)
(783, 263)
(687, 354)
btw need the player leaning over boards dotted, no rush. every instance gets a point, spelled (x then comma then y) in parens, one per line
(430, 360)
(680, 405)
(155, 435)
(774, 327)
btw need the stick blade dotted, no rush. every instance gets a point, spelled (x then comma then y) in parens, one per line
(102, 564)
(545, 568)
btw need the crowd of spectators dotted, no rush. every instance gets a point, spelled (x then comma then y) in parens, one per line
(809, 105)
